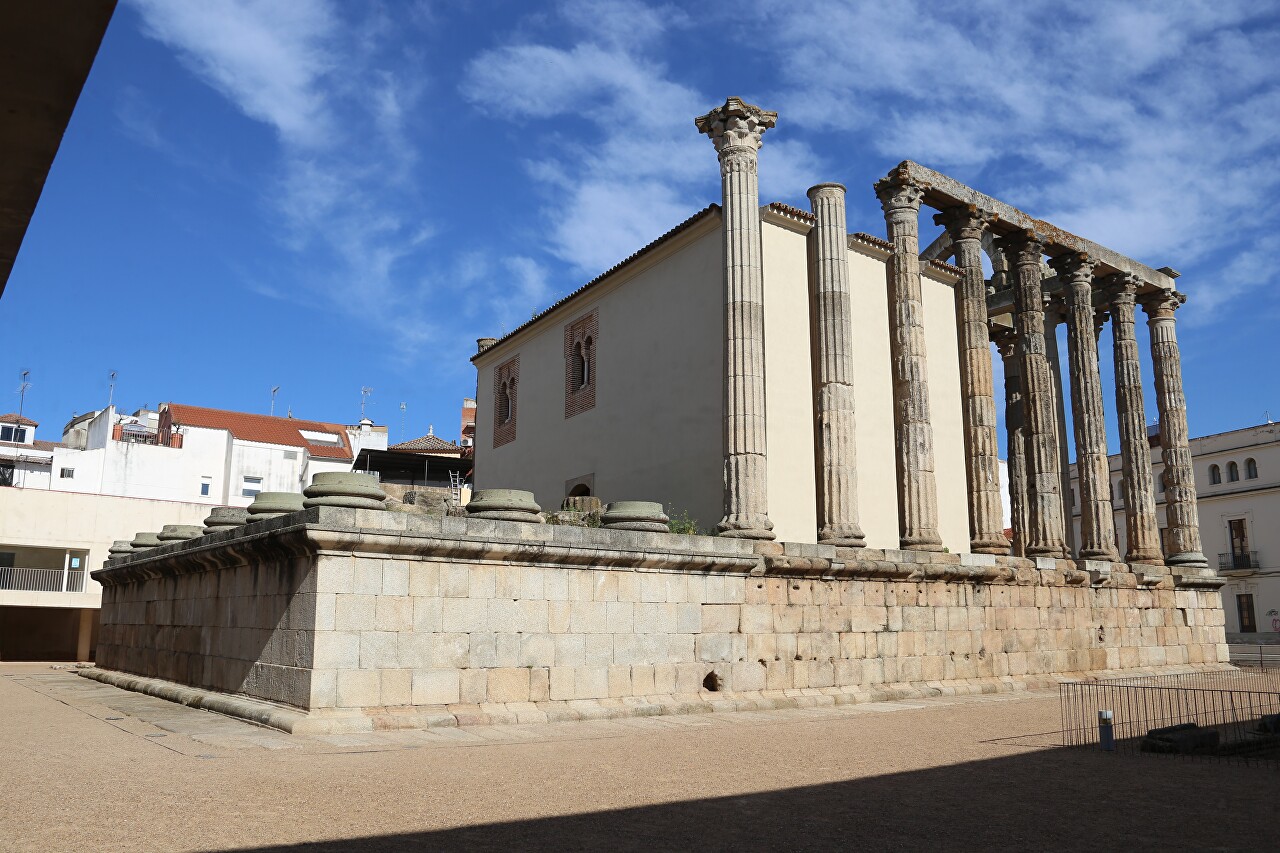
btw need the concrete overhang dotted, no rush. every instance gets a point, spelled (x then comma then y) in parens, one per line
(46, 50)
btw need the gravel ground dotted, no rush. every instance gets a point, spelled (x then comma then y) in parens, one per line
(88, 767)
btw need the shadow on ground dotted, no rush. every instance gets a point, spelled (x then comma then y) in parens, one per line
(1050, 799)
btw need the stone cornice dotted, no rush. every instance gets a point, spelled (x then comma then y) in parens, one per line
(942, 192)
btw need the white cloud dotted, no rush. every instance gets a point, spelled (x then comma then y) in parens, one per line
(1148, 127)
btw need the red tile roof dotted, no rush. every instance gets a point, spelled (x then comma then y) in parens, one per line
(38, 444)
(261, 428)
(427, 444)
(13, 418)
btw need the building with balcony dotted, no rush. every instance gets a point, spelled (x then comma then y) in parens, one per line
(63, 503)
(1237, 478)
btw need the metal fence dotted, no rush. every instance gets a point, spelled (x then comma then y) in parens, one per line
(1232, 715)
(41, 580)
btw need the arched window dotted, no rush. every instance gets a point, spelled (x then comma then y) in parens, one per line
(1250, 469)
(1215, 475)
(504, 404)
(581, 367)
(1233, 472)
(582, 490)
(586, 362)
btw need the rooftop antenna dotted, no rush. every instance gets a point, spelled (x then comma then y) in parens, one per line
(402, 410)
(111, 388)
(274, 389)
(22, 391)
(365, 391)
(431, 429)
(1267, 415)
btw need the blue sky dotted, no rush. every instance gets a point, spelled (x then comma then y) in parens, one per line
(324, 196)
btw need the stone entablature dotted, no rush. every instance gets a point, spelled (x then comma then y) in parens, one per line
(336, 619)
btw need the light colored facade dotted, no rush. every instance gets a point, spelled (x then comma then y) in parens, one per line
(65, 502)
(1237, 478)
(660, 351)
(763, 366)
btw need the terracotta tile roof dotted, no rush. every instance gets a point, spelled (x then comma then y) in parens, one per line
(427, 444)
(262, 428)
(697, 217)
(793, 211)
(13, 418)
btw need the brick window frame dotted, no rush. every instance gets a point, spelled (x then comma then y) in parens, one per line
(581, 340)
(506, 377)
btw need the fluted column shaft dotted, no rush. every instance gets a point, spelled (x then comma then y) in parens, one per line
(736, 128)
(1045, 534)
(1006, 341)
(1054, 313)
(917, 487)
(835, 438)
(1179, 476)
(982, 455)
(1142, 534)
(1097, 522)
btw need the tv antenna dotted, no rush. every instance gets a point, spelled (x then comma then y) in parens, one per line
(23, 385)
(274, 390)
(402, 410)
(365, 391)
(111, 388)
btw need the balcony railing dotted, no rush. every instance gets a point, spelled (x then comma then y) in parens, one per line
(137, 434)
(41, 580)
(1239, 560)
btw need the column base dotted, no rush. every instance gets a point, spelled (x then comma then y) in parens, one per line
(1056, 552)
(1145, 558)
(745, 527)
(842, 536)
(1188, 559)
(921, 543)
(994, 544)
(1099, 554)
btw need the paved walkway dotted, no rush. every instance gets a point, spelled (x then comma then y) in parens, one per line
(92, 767)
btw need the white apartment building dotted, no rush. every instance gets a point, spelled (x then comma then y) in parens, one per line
(112, 475)
(1238, 498)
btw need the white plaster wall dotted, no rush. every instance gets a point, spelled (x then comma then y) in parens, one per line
(268, 461)
(656, 431)
(873, 390)
(789, 385)
(945, 412)
(53, 519)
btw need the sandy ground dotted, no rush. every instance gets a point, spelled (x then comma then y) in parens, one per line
(88, 767)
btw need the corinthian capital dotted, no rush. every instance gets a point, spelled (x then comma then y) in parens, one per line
(1022, 247)
(1161, 304)
(1074, 267)
(964, 222)
(1005, 339)
(736, 124)
(899, 194)
(1120, 288)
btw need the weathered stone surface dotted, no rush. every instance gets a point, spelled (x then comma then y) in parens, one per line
(505, 505)
(426, 617)
(1006, 341)
(274, 504)
(1054, 314)
(179, 532)
(1097, 522)
(1142, 534)
(1045, 531)
(143, 541)
(736, 129)
(635, 515)
(835, 439)
(354, 489)
(1179, 476)
(982, 456)
(917, 488)
(224, 517)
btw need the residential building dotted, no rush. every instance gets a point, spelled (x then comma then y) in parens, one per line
(1237, 478)
(113, 472)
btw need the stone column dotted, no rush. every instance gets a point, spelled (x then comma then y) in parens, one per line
(1055, 313)
(1179, 477)
(917, 488)
(735, 129)
(982, 456)
(837, 464)
(1044, 482)
(1006, 341)
(1142, 534)
(1093, 476)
